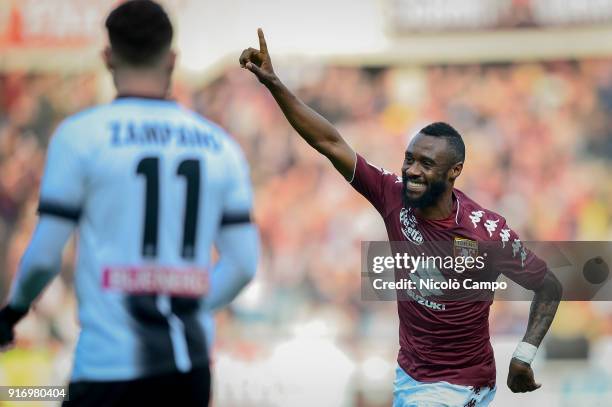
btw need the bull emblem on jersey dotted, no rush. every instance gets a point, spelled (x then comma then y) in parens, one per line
(465, 247)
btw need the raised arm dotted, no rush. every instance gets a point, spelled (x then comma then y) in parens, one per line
(311, 126)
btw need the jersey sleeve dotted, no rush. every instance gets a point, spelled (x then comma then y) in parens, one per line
(62, 189)
(238, 201)
(516, 261)
(373, 183)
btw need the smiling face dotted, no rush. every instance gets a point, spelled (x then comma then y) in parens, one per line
(429, 170)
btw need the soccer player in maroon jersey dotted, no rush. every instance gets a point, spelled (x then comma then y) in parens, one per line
(445, 356)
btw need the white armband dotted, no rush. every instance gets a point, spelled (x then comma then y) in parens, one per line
(525, 352)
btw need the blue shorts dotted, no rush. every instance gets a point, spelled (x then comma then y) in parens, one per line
(408, 392)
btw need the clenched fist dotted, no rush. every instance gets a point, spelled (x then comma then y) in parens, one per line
(520, 377)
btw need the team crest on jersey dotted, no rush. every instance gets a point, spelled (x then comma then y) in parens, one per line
(409, 227)
(463, 247)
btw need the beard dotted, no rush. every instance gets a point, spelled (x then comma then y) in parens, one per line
(428, 198)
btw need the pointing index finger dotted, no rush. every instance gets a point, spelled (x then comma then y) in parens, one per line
(263, 47)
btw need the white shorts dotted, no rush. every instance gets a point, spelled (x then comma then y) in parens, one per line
(408, 392)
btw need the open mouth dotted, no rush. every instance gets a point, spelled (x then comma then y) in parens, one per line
(416, 186)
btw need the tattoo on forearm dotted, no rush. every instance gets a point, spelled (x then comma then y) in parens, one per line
(542, 312)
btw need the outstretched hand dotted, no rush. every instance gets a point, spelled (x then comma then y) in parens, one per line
(258, 61)
(520, 377)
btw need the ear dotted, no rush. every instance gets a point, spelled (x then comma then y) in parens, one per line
(107, 56)
(170, 61)
(455, 171)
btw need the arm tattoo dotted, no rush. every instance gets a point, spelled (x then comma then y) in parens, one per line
(543, 309)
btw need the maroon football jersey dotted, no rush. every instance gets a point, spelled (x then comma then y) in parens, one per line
(448, 341)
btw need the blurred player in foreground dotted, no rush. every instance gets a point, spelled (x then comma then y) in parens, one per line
(151, 186)
(445, 357)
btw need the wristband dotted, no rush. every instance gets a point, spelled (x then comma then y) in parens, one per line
(525, 352)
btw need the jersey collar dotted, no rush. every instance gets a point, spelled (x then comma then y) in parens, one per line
(132, 96)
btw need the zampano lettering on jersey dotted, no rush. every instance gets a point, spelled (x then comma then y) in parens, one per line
(154, 133)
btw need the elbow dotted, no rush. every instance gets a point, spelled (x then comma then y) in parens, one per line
(558, 289)
(243, 271)
(551, 287)
(247, 273)
(328, 144)
(323, 146)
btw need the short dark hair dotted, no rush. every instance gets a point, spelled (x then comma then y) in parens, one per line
(139, 31)
(445, 130)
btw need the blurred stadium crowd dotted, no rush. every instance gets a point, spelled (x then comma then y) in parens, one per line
(539, 151)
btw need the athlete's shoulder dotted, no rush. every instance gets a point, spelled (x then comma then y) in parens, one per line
(78, 129)
(365, 167)
(229, 146)
(87, 115)
(479, 221)
(226, 141)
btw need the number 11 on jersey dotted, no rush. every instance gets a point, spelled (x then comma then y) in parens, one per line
(190, 169)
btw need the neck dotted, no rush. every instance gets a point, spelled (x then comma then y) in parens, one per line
(442, 209)
(145, 83)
